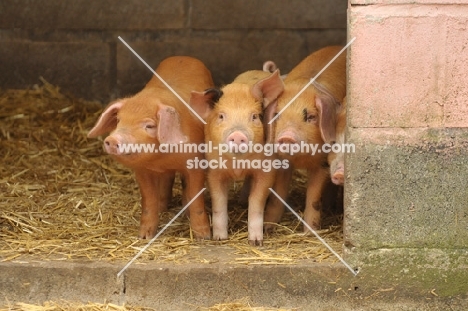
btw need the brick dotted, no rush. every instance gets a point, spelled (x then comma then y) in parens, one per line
(279, 14)
(407, 68)
(225, 53)
(406, 188)
(93, 15)
(81, 69)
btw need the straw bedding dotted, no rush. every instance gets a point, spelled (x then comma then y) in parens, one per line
(239, 305)
(63, 198)
(65, 306)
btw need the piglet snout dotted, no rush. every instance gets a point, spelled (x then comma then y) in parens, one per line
(112, 145)
(237, 138)
(287, 137)
(338, 176)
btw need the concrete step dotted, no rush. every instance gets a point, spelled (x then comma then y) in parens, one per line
(212, 276)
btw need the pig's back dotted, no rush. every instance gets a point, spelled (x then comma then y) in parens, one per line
(333, 78)
(184, 74)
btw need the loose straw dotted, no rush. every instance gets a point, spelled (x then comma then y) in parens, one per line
(316, 234)
(159, 233)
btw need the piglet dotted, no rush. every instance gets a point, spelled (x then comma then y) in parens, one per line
(309, 119)
(153, 117)
(235, 120)
(336, 159)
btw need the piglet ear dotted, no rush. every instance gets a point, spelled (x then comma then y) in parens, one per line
(326, 105)
(169, 129)
(203, 102)
(107, 121)
(268, 89)
(268, 115)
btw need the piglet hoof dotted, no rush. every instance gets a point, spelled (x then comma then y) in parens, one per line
(271, 218)
(256, 242)
(220, 236)
(147, 232)
(314, 227)
(202, 234)
(269, 228)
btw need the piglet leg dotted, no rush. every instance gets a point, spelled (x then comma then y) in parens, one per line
(257, 199)
(166, 182)
(317, 179)
(195, 181)
(219, 188)
(149, 184)
(275, 208)
(245, 192)
(185, 198)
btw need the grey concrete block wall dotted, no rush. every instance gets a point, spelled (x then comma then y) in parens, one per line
(78, 67)
(93, 15)
(410, 195)
(74, 44)
(260, 14)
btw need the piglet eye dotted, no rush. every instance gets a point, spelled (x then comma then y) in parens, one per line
(311, 118)
(308, 117)
(256, 116)
(221, 116)
(149, 125)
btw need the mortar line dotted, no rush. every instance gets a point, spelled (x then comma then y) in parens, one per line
(162, 80)
(159, 233)
(316, 234)
(312, 81)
